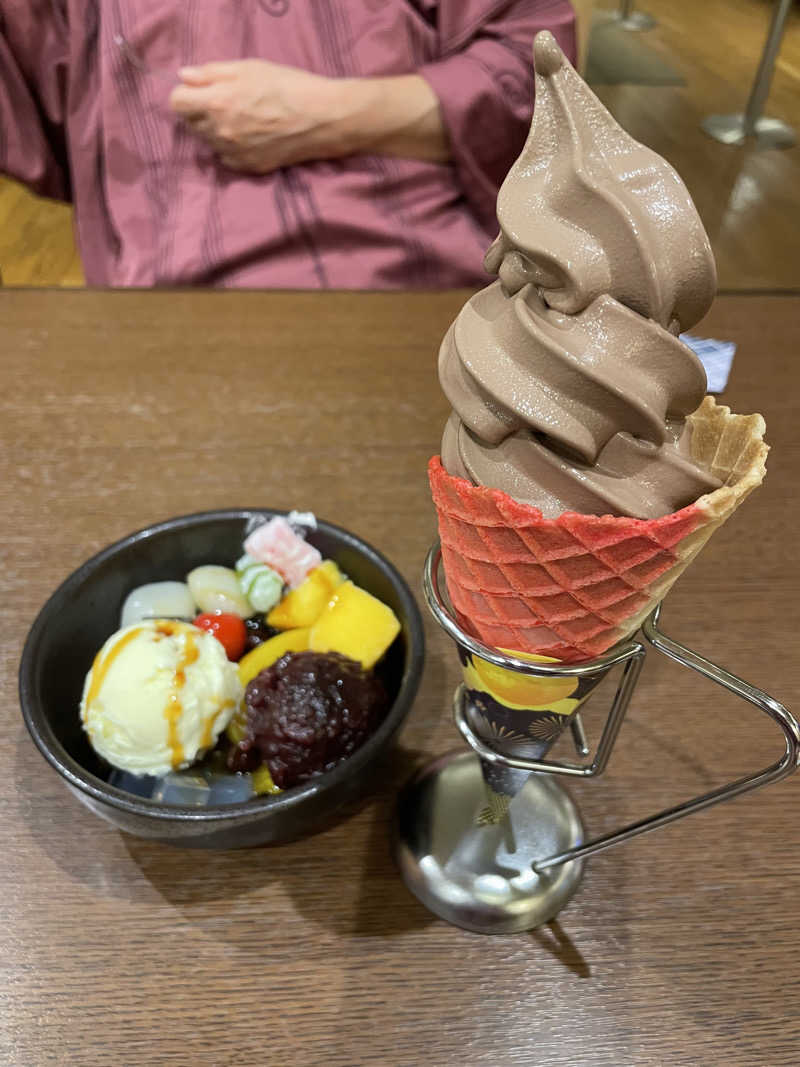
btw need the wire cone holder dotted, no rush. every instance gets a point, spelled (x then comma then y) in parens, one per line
(488, 839)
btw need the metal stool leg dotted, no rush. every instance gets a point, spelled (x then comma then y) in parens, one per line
(769, 133)
(629, 19)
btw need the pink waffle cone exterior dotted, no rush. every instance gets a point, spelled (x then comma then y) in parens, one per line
(573, 586)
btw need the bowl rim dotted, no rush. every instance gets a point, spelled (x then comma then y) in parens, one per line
(83, 780)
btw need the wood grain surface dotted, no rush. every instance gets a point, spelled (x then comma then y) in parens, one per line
(681, 948)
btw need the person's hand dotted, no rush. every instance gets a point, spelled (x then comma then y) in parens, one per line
(259, 116)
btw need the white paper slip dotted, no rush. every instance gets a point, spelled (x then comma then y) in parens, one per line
(716, 357)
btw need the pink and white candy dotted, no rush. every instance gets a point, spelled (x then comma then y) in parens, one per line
(276, 544)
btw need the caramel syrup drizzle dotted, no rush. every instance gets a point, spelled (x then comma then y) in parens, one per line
(174, 707)
(208, 729)
(101, 667)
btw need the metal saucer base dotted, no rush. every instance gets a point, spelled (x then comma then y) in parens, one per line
(480, 877)
(733, 129)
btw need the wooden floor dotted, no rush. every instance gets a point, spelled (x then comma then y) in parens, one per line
(749, 198)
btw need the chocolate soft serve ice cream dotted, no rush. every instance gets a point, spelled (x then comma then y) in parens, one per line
(569, 385)
(582, 469)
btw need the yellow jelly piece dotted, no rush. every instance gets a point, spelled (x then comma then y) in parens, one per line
(303, 605)
(356, 624)
(265, 654)
(522, 690)
(261, 780)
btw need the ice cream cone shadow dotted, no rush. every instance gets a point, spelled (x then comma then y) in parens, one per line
(553, 939)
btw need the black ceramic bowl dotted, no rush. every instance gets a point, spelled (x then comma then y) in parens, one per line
(84, 611)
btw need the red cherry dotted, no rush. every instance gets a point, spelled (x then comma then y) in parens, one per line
(229, 630)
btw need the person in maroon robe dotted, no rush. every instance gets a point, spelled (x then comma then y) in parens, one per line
(363, 148)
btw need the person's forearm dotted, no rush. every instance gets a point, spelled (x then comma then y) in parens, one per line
(259, 116)
(397, 116)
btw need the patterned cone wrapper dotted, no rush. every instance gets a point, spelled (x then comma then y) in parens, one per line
(517, 715)
(571, 587)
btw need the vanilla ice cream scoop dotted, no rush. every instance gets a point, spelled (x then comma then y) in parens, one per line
(158, 695)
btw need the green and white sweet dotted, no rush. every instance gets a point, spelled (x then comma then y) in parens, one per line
(259, 583)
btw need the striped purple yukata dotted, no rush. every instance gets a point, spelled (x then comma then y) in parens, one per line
(83, 119)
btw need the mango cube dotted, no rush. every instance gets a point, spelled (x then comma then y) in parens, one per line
(261, 781)
(356, 624)
(330, 569)
(303, 605)
(265, 654)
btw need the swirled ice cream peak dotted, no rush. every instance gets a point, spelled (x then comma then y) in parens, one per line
(568, 382)
(586, 210)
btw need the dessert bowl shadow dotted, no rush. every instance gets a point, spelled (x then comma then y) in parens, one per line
(84, 611)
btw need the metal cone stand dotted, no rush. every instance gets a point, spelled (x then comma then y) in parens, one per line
(519, 871)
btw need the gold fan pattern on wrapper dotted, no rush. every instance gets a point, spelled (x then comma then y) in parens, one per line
(519, 715)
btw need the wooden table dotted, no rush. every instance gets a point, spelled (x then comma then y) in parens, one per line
(119, 409)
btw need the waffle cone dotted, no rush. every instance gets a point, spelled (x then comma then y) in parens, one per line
(573, 586)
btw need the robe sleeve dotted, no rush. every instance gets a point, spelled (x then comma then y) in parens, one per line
(33, 80)
(483, 79)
